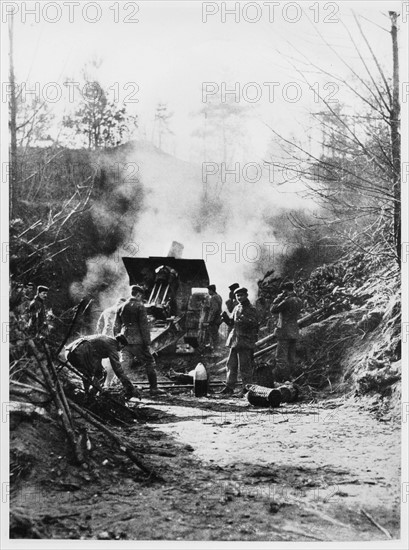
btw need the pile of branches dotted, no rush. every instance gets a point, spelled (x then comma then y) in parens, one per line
(42, 383)
(330, 288)
(48, 382)
(358, 286)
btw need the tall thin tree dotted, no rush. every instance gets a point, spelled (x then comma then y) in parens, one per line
(12, 122)
(395, 133)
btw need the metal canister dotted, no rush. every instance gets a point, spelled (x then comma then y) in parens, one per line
(289, 393)
(200, 380)
(260, 396)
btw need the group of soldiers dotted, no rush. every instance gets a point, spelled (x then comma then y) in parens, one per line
(122, 338)
(122, 341)
(243, 324)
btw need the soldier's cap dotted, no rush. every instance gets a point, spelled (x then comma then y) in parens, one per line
(241, 290)
(42, 288)
(234, 286)
(121, 339)
(212, 287)
(137, 288)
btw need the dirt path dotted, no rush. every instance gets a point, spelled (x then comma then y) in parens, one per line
(232, 472)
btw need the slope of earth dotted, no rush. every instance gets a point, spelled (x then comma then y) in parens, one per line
(324, 470)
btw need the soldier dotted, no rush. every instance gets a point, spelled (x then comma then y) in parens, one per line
(132, 321)
(29, 291)
(241, 341)
(37, 321)
(86, 354)
(214, 316)
(288, 306)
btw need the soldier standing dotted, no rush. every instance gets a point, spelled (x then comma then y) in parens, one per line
(241, 341)
(37, 321)
(214, 319)
(132, 321)
(288, 306)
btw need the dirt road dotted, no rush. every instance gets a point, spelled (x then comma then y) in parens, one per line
(303, 472)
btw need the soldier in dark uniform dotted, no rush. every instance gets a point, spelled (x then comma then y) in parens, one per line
(132, 321)
(288, 307)
(37, 317)
(241, 341)
(214, 316)
(86, 354)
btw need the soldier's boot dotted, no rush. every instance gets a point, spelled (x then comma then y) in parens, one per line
(153, 380)
(153, 384)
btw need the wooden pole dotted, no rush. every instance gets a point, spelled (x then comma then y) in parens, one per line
(58, 384)
(265, 350)
(121, 444)
(61, 411)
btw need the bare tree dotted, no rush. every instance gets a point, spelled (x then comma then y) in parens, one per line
(13, 119)
(395, 133)
(356, 177)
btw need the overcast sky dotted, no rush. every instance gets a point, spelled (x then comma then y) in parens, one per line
(168, 50)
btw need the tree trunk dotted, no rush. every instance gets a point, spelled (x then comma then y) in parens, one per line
(12, 126)
(395, 135)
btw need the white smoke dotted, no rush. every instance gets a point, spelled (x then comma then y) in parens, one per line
(232, 229)
(234, 234)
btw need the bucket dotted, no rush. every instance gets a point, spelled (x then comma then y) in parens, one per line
(260, 396)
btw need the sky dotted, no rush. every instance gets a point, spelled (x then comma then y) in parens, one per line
(167, 51)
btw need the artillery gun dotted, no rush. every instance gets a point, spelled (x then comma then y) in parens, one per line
(175, 289)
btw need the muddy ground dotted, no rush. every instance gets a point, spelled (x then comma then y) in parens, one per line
(322, 470)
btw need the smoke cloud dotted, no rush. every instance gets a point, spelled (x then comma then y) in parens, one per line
(228, 223)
